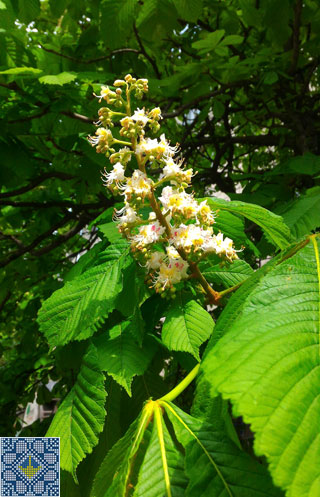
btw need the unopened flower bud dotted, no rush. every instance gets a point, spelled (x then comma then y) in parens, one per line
(119, 82)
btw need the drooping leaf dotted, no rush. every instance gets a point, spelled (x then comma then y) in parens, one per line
(162, 470)
(74, 311)
(120, 356)
(187, 326)
(214, 464)
(116, 469)
(80, 418)
(267, 364)
(272, 225)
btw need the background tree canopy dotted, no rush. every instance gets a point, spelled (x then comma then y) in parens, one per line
(238, 85)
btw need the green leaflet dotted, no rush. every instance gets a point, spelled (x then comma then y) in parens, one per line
(303, 215)
(162, 470)
(190, 11)
(117, 467)
(186, 327)
(58, 79)
(227, 275)
(267, 364)
(120, 356)
(215, 466)
(271, 224)
(80, 417)
(75, 311)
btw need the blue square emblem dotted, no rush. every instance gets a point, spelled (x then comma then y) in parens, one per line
(29, 467)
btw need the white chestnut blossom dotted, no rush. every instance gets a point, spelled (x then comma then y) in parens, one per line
(139, 184)
(149, 233)
(220, 246)
(148, 146)
(155, 260)
(172, 170)
(171, 273)
(179, 202)
(140, 116)
(126, 215)
(116, 175)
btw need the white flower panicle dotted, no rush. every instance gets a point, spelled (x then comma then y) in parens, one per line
(171, 231)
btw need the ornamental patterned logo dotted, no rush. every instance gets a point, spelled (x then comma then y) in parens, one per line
(29, 467)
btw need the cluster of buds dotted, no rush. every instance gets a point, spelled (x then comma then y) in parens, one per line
(169, 231)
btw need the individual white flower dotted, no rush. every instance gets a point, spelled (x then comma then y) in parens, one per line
(172, 253)
(171, 273)
(103, 137)
(155, 113)
(140, 117)
(155, 260)
(114, 176)
(139, 184)
(178, 202)
(156, 148)
(106, 94)
(221, 246)
(147, 146)
(152, 216)
(205, 214)
(126, 215)
(172, 170)
(148, 233)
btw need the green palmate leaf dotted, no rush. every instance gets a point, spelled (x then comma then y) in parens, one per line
(267, 364)
(272, 225)
(116, 20)
(162, 470)
(116, 470)
(186, 327)
(303, 215)
(209, 42)
(227, 275)
(75, 311)
(58, 79)
(120, 356)
(80, 418)
(215, 466)
(189, 10)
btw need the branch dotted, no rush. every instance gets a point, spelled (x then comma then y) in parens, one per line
(80, 117)
(89, 61)
(13, 256)
(83, 220)
(35, 182)
(143, 51)
(202, 98)
(29, 118)
(295, 35)
(46, 205)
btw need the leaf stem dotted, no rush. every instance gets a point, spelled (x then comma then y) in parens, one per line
(231, 289)
(173, 394)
